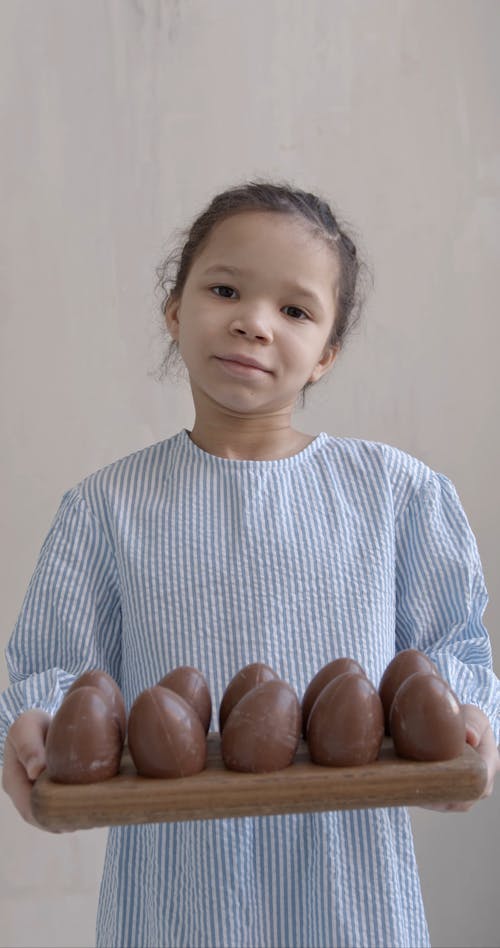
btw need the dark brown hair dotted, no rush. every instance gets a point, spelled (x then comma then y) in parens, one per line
(262, 195)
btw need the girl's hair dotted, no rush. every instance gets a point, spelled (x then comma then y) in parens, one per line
(262, 195)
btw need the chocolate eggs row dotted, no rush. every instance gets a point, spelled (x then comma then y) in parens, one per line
(342, 717)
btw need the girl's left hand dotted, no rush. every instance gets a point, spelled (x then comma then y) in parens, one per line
(479, 735)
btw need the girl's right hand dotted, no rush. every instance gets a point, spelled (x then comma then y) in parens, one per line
(24, 759)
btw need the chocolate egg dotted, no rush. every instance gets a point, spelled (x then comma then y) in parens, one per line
(427, 721)
(98, 678)
(247, 678)
(84, 740)
(404, 664)
(262, 731)
(165, 735)
(191, 685)
(346, 723)
(337, 667)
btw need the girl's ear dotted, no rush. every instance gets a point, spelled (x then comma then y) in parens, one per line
(172, 317)
(325, 363)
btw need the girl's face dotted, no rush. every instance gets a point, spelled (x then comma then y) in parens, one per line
(263, 291)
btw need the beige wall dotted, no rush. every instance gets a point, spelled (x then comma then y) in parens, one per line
(119, 120)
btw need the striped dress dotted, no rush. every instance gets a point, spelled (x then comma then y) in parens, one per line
(174, 556)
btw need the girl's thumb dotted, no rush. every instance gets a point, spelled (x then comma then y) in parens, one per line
(28, 736)
(473, 735)
(34, 765)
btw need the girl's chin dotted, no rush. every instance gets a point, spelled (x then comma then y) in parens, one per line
(242, 407)
(241, 400)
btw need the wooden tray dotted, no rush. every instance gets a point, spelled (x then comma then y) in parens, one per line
(217, 793)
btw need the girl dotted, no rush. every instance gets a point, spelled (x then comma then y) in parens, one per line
(246, 540)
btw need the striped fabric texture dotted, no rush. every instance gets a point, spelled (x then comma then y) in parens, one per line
(173, 556)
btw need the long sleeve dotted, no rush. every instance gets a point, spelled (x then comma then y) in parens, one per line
(441, 595)
(70, 619)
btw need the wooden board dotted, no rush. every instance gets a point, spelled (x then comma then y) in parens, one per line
(218, 793)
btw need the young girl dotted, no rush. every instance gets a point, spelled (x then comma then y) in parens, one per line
(247, 540)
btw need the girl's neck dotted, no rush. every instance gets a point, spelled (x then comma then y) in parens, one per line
(250, 439)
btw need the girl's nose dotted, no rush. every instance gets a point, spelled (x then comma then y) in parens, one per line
(252, 325)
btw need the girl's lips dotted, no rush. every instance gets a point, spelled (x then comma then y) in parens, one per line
(239, 368)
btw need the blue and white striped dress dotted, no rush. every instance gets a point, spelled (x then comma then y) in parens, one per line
(174, 556)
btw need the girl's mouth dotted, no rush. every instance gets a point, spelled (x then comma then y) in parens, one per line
(245, 369)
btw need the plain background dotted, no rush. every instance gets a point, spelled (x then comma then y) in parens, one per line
(119, 121)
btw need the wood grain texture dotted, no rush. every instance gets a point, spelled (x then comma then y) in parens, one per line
(218, 793)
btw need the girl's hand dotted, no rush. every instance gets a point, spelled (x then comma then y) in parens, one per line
(24, 759)
(479, 735)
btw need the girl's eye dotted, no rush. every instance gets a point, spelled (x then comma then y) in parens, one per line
(297, 313)
(226, 291)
